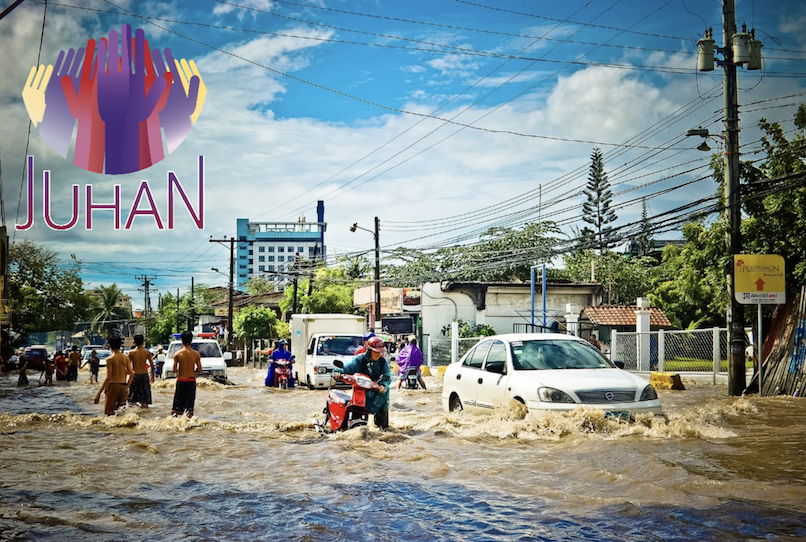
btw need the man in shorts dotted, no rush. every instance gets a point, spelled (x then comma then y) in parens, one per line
(118, 377)
(187, 362)
(140, 389)
(75, 360)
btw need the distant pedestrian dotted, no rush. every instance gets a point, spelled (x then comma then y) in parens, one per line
(61, 366)
(74, 362)
(187, 362)
(95, 365)
(118, 377)
(140, 389)
(49, 368)
(23, 378)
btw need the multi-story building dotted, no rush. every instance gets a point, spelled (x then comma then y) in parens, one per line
(271, 249)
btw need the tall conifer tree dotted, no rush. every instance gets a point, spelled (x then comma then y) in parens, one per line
(596, 210)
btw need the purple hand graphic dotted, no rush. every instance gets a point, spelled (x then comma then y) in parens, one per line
(122, 99)
(175, 118)
(57, 123)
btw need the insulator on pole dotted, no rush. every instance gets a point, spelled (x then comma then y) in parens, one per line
(741, 47)
(755, 52)
(705, 52)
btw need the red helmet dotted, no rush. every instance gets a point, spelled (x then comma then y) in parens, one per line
(376, 344)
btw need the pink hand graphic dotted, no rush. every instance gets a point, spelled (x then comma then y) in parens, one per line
(57, 123)
(83, 104)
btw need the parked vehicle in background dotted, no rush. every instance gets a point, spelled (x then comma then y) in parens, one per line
(317, 340)
(102, 354)
(548, 371)
(36, 356)
(89, 348)
(214, 362)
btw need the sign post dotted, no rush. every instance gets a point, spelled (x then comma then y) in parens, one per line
(759, 280)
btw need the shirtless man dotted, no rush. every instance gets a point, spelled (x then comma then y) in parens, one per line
(75, 361)
(187, 362)
(118, 377)
(140, 389)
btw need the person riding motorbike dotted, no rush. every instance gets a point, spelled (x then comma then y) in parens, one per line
(410, 357)
(374, 365)
(280, 353)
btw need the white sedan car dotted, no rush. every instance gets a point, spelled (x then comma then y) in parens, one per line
(545, 371)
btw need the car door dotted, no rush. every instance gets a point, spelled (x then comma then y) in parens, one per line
(491, 382)
(467, 375)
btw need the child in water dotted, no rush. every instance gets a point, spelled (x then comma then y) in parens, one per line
(23, 379)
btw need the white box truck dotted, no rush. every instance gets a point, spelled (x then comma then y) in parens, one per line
(317, 340)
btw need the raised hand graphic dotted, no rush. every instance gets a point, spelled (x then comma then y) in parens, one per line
(151, 151)
(83, 104)
(57, 122)
(33, 94)
(122, 99)
(182, 100)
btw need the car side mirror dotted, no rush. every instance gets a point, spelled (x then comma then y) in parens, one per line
(619, 364)
(338, 363)
(227, 356)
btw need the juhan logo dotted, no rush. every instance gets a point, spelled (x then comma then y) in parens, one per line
(123, 95)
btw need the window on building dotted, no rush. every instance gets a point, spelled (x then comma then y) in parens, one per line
(242, 257)
(280, 258)
(271, 268)
(300, 249)
(261, 258)
(251, 251)
(261, 249)
(290, 249)
(242, 266)
(261, 268)
(242, 276)
(271, 258)
(251, 261)
(271, 249)
(281, 269)
(310, 251)
(280, 249)
(290, 258)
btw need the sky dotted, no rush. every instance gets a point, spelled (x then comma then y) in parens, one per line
(443, 118)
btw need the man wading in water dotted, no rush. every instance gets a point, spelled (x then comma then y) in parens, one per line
(187, 362)
(140, 389)
(118, 377)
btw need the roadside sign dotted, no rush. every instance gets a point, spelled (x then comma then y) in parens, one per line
(759, 279)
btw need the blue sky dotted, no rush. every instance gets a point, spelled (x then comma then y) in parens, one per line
(348, 101)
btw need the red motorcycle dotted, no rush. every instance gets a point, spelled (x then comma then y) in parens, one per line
(282, 373)
(347, 410)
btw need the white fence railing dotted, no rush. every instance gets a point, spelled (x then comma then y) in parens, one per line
(699, 350)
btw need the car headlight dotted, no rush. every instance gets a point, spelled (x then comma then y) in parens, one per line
(552, 395)
(649, 394)
(321, 370)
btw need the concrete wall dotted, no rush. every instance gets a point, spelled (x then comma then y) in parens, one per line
(504, 305)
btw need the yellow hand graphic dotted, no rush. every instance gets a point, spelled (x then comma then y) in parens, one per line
(186, 72)
(33, 94)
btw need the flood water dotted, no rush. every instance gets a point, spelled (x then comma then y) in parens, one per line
(250, 467)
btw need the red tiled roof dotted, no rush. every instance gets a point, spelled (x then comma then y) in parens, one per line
(624, 316)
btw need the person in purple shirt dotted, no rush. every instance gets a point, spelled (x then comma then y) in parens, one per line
(410, 357)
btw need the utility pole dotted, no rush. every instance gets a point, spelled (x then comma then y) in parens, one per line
(736, 361)
(377, 274)
(147, 281)
(192, 316)
(231, 242)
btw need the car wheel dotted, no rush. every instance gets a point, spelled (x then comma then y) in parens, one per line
(455, 404)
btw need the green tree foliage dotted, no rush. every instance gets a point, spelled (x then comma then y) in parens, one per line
(44, 294)
(644, 237)
(331, 292)
(253, 322)
(500, 255)
(468, 330)
(623, 279)
(167, 321)
(259, 284)
(690, 287)
(777, 221)
(596, 210)
(106, 315)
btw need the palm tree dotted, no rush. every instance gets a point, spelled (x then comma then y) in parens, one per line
(105, 311)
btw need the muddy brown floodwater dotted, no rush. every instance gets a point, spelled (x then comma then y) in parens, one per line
(250, 466)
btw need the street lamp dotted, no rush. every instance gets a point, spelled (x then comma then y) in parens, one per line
(354, 227)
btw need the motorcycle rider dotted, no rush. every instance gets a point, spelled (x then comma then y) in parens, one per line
(279, 353)
(374, 365)
(363, 348)
(410, 357)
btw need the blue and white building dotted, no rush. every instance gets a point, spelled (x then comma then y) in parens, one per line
(271, 248)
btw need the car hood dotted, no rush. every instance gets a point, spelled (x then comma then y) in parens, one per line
(585, 379)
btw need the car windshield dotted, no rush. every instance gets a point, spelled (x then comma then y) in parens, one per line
(338, 345)
(205, 349)
(538, 355)
(36, 353)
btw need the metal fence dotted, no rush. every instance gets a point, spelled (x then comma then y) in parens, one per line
(700, 350)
